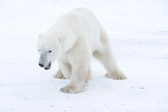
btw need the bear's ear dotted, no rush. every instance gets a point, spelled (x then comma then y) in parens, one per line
(40, 35)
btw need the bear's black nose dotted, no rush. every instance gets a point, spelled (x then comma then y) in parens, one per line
(41, 65)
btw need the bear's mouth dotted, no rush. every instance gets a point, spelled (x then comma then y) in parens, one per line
(48, 67)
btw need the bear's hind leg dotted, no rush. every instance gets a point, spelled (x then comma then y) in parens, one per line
(109, 63)
(105, 56)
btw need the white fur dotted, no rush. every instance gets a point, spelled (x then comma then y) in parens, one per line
(73, 40)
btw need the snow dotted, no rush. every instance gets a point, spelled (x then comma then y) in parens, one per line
(138, 31)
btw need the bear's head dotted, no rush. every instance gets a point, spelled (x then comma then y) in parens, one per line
(49, 49)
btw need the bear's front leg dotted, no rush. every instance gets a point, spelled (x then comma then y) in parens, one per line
(78, 79)
(59, 75)
(79, 58)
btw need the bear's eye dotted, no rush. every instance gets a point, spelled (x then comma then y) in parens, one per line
(50, 51)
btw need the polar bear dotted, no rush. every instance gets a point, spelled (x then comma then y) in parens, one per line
(72, 41)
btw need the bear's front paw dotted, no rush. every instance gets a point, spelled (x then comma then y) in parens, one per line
(117, 75)
(70, 89)
(59, 75)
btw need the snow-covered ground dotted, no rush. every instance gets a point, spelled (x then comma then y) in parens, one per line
(138, 31)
